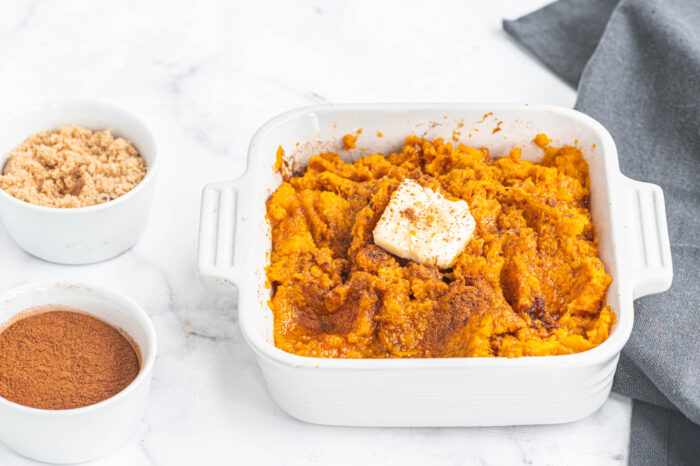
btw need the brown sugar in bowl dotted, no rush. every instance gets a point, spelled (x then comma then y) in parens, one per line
(72, 167)
(79, 235)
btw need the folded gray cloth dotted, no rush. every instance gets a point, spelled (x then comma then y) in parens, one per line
(637, 67)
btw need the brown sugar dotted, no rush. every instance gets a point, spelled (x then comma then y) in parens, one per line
(72, 167)
(61, 359)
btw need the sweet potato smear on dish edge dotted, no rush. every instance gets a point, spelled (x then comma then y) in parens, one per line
(529, 283)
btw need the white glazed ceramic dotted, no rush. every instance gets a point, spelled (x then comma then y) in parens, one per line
(634, 245)
(81, 434)
(87, 234)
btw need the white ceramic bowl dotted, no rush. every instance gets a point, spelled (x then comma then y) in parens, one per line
(87, 234)
(81, 434)
(633, 240)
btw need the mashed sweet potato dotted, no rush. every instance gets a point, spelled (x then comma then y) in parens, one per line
(529, 282)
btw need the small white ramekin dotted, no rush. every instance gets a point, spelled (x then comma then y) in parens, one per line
(81, 434)
(87, 234)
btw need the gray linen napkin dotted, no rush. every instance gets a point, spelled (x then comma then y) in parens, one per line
(637, 67)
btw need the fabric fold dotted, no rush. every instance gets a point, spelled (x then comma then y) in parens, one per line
(564, 34)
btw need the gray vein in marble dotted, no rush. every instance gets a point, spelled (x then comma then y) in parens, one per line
(193, 71)
(223, 306)
(26, 17)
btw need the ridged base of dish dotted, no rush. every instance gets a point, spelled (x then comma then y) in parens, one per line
(447, 397)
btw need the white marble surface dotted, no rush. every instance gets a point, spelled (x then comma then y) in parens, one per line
(205, 75)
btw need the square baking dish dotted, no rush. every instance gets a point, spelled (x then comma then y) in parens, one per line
(234, 244)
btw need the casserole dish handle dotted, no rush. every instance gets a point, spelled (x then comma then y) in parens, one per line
(217, 236)
(649, 245)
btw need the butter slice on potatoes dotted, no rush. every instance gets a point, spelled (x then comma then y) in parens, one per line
(421, 225)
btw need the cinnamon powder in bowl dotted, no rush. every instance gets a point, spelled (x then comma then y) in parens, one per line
(60, 358)
(76, 362)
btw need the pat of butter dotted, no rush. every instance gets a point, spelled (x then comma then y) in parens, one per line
(421, 225)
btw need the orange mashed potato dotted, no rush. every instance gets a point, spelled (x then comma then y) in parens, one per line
(529, 282)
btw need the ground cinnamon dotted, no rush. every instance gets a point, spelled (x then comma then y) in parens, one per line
(61, 359)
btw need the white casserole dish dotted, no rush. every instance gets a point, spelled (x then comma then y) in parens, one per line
(234, 242)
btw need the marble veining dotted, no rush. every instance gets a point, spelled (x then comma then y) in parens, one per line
(205, 75)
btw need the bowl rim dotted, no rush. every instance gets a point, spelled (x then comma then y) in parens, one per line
(148, 361)
(151, 167)
(605, 351)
